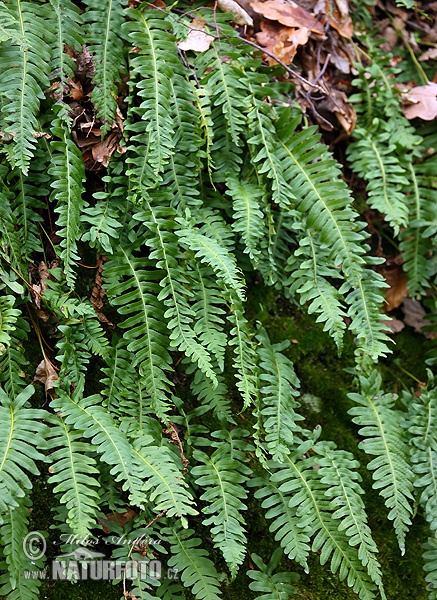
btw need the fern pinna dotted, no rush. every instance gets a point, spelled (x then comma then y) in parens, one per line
(171, 397)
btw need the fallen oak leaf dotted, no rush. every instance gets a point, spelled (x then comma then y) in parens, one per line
(46, 374)
(197, 39)
(241, 17)
(289, 14)
(423, 99)
(281, 41)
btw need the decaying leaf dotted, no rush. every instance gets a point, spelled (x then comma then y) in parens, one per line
(99, 293)
(415, 317)
(197, 39)
(46, 374)
(281, 41)
(394, 325)
(289, 14)
(119, 519)
(241, 17)
(397, 292)
(423, 101)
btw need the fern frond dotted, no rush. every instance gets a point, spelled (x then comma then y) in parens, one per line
(24, 68)
(196, 570)
(8, 318)
(215, 398)
(21, 438)
(248, 217)
(380, 425)
(430, 566)
(210, 252)
(222, 477)
(422, 426)
(309, 269)
(279, 385)
(293, 538)
(88, 416)
(298, 478)
(152, 66)
(72, 476)
(103, 24)
(13, 361)
(162, 479)
(68, 173)
(272, 586)
(337, 472)
(67, 21)
(375, 160)
(15, 585)
(174, 294)
(132, 286)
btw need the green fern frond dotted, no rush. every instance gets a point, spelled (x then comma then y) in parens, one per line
(24, 69)
(298, 478)
(152, 66)
(17, 582)
(276, 586)
(222, 477)
(13, 361)
(68, 173)
(248, 217)
(430, 566)
(338, 474)
(375, 160)
(310, 276)
(103, 24)
(422, 426)
(196, 570)
(175, 292)
(67, 21)
(162, 480)
(380, 425)
(8, 318)
(21, 439)
(279, 385)
(88, 416)
(293, 538)
(73, 473)
(133, 287)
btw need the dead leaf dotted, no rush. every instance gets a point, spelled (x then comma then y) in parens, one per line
(99, 293)
(289, 14)
(397, 292)
(103, 151)
(197, 39)
(119, 518)
(46, 374)
(281, 41)
(241, 17)
(430, 54)
(414, 316)
(394, 325)
(76, 90)
(423, 101)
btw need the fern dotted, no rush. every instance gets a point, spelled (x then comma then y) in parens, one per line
(24, 71)
(221, 475)
(380, 424)
(274, 586)
(103, 22)
(196, 570)
(22, 437)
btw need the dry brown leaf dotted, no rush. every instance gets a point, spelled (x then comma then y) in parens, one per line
(241, 17)
(76, 90)
(289, 14)
(339, 18)
(46, 374)
(414, 316)
(103, 151)
(423, 102)
(197, 39)
(397, 292)
(394, 325)
(430, 54)
(119, 518)
(281, 41)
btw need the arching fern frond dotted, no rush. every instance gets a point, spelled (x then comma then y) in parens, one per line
(380, 425)
(21, 439)
(222, 478)
(276, 586)
(24, 69)
(103, 26)
(196, 570)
